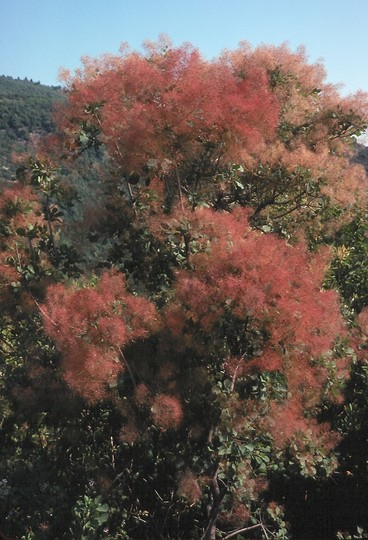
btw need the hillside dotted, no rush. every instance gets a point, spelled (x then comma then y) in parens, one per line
(25, 109)
(362, 155)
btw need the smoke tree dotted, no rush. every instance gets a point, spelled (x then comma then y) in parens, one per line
(172, 115)
(202, 346)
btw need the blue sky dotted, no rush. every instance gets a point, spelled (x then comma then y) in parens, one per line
(37, 37)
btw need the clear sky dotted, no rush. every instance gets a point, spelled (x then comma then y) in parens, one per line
(37, 37)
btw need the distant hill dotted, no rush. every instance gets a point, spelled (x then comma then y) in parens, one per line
(25, 109)
(362, 155)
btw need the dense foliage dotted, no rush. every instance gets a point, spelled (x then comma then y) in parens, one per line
(176, 361)
(25, 111)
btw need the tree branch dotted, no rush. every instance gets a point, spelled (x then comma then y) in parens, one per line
(128, 367)
(213, 508)
(244, 529)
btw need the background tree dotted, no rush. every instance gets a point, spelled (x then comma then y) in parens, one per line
(25, 113)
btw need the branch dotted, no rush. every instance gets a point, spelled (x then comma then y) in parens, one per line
(234, 376)
(43, 312)
(179, 188)
(202, 100)
(214, 508)
(128, 367)
(127, 183)
(244, 529)
(48, 219)
(7, 343)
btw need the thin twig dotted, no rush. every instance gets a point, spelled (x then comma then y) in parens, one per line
(127, 183)
(48, 219)
(128, 367)
(244, 529)
(179, 188)
(7, 343)
(43, 312)
(234, 376)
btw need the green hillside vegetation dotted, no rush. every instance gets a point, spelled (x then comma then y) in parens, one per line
(25, 110)
(362, 155)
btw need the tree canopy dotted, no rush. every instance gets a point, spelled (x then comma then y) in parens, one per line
(177, 358)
